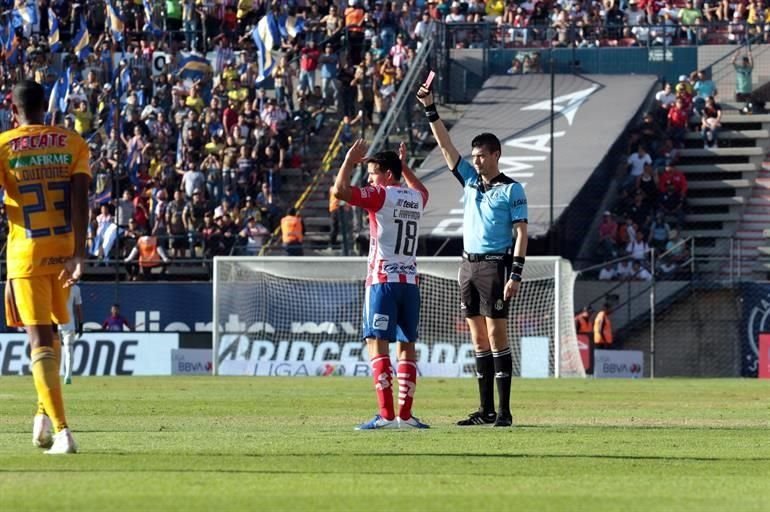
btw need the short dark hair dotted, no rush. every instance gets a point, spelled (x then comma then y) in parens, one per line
(387, 161)
(488, 141)
(29, 97)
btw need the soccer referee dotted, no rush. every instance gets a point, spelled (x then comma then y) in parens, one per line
(494, 207)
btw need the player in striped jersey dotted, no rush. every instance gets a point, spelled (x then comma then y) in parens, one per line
(392, 300)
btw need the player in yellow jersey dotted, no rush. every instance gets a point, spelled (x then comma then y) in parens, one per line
(44, 171)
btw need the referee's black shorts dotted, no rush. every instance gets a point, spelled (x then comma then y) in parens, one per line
(482, 283)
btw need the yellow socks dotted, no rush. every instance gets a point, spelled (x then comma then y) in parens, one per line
(57, 353)
(45, 371)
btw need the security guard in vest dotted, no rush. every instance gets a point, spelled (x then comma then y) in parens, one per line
(150, 255)
(494, 206)
(293, 233)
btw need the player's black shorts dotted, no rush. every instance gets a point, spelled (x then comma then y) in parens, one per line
(482, 284)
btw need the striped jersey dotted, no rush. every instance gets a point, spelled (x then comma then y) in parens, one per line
(394, 226)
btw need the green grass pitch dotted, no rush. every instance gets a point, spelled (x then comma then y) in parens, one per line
(216, 444)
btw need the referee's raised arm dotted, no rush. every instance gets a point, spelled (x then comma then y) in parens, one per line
(451, 155)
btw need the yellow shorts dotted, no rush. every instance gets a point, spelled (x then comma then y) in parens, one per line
(38, 300)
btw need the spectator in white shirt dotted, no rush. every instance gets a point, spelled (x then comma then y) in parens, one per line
(607, 273)
(638, 247)
(636, 162)
(639, 273)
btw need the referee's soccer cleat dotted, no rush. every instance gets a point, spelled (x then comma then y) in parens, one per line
(41, 431)
(504, 420)
(378, 422)
(63, 443)
(478, 418)
(412, 423)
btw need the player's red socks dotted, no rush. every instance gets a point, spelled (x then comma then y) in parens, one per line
(382, 371)
(407, 382)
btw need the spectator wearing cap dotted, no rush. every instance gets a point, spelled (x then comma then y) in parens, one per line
(455, 15)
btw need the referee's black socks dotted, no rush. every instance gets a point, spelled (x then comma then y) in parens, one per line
(485, 372)
(503, 363)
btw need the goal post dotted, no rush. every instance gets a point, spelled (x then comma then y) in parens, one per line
(302, 316)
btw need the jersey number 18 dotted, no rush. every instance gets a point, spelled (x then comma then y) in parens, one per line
(406, 237)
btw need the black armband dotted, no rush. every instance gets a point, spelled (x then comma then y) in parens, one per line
(515, 277)
(431, 113)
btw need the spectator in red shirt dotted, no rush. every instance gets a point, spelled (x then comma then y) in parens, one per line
(607, 231)
(676, 177)
(678, 117)
(230, 116)
(308, 63)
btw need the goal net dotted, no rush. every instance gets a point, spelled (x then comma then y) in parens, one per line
(302, 316)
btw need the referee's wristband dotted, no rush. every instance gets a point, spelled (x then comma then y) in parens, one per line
(517, 268)
(431, 113)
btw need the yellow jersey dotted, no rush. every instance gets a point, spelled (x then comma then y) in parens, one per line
(37, 163)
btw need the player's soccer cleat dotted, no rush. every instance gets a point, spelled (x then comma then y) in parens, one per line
(378, 422)
(41, 431)
(68, 380)
(412, 423)
(63, 443)
(504, 420)
(478, 418)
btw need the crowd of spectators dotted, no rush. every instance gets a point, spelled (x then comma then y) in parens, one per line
(193, 155)
(590, 23)
(650, 210)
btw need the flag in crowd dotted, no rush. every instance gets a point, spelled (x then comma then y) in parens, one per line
(116, 23)
(81, 47)
(57, 102)
(54, 37)
(267, 36)
(149, 24)
(25, 15)
(10, 46)
(194, 66)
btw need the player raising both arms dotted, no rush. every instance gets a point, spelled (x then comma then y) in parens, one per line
(392, 300)
(44, 171)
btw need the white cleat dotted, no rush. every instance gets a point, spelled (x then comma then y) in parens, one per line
(41, 431)
(63, 443)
